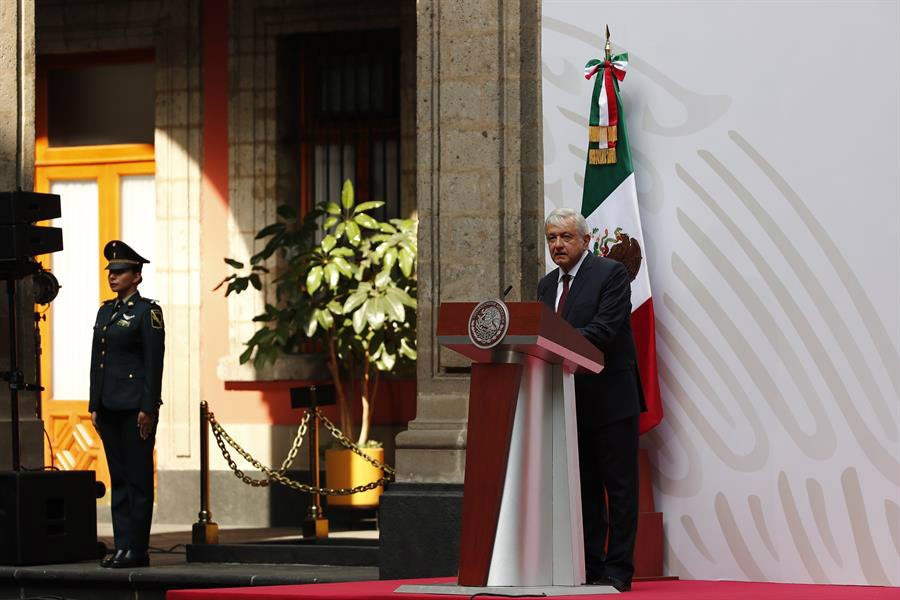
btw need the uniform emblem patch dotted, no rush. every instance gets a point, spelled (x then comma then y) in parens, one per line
(156, 318)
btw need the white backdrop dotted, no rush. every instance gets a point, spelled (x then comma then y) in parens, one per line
(767, 153)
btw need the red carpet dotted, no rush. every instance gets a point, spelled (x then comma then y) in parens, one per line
(656, 590)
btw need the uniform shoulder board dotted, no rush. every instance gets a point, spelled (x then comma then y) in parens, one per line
(110, 301)
(150, 301)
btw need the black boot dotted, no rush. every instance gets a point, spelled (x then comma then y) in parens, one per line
(108, 561)
(131, 559)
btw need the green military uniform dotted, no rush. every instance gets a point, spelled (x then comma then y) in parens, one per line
(126, 378)
(127, 355)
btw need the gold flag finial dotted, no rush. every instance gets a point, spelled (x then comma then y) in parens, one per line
(607, 49)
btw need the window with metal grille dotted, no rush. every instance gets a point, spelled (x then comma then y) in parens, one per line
(349, 121)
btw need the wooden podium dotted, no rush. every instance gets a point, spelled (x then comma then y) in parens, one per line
(521, 523)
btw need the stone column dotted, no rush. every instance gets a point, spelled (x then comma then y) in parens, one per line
(480, 202)
(17, 70)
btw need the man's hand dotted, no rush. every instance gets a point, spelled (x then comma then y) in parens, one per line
(145, 424)
(94, 421)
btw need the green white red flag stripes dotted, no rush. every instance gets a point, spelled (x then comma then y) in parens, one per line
(609, 203)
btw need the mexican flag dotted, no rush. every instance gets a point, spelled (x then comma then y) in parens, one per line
(609, 204)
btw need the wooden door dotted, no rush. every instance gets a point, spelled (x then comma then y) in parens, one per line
(99, 202)
(107, 191)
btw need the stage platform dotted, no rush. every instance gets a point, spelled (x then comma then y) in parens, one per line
(168, 570)
(656, 590)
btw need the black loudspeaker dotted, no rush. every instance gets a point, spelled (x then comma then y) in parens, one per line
(22, 241)
(28, 207)
(47, 517)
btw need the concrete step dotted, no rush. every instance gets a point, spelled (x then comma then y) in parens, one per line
(89, 581)
(354, 552)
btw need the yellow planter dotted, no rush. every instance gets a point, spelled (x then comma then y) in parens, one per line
(344, 469)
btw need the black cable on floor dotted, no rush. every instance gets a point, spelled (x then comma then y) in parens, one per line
(154, 550)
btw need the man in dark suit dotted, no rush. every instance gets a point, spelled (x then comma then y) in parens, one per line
(126, 381)
(593, 294)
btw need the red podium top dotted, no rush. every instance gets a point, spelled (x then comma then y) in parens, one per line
(534, 329)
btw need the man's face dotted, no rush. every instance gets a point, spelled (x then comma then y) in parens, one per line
(565, 245)
(123, 281)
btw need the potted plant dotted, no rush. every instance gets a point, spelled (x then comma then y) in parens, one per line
(353, 292)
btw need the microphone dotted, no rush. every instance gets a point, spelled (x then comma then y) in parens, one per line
(508, 289)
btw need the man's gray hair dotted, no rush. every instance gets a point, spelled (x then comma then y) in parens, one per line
(561, 217)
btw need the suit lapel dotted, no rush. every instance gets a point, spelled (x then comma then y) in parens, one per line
(549, 297)
(578, 283)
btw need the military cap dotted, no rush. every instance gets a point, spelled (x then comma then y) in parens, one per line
(122, 257)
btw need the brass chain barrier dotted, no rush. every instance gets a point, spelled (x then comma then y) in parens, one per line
(223, 440)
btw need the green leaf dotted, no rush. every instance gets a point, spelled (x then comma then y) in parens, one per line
(233, 263)
(347, 195)
(330, 222)
(364, 206)
(387, 228)
(401, 295)
(343, 266)
(395, 308)
(382, 278)
(287, 212)
(354, 300)
(339, 230)
(311, 325)
(270, 230)
(325, 319)
(231, 277)
(388, 360)
(313, 280)
(332, 275)
(245, 355)
(240, 284)
(335, 307)
(390, 258)
(407, 351)
(353, 233)
(375, 313)
(366, 221)
(406, 262)
(328, 243)
(332, 208)
(254, 281)
(341, 251)
(359, 318)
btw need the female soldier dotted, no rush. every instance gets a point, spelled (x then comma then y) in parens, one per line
(126, 380)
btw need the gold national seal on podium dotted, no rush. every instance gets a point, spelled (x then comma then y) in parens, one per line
(488, 323)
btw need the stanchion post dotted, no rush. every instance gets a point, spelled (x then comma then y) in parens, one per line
(204, 531)
(315, 525)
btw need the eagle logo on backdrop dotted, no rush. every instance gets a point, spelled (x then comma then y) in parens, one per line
(619, 246)
(488, 323)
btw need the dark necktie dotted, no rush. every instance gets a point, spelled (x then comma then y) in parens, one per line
(565, 292)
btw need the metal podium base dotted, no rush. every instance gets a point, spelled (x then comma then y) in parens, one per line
(549, 591)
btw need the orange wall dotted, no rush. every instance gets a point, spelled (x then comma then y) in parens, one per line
(243, 403)
(243, 406)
